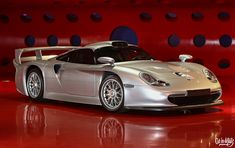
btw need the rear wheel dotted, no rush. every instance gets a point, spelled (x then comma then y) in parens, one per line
(112, 94)
(35, 84)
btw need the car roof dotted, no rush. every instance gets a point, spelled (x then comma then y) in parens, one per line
(97, 45)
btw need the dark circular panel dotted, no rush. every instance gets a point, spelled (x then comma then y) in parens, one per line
(96, 17)
(197, 16)
(199, 40)
(52, 40)
(224, 63)
(4, 18)
(48, 18)
(5, 61)
(173, 40)
(223, 16)
(144, 16)
(29, 40)
(26, 18)
(72, 17)
(171, 16)
(225, 40)
(124, 33)
(75, 40)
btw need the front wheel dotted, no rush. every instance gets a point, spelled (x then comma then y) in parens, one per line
(112, 94)
(35, 84)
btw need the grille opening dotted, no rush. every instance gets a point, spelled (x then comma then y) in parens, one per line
(182, 100)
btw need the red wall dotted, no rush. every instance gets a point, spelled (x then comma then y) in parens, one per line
(152, 34)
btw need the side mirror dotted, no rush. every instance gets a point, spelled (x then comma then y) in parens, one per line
(184, 57)
(106, 60)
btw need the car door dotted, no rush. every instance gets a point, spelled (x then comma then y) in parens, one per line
(76, 75)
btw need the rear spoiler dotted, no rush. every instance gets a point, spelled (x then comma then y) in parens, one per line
(38, 52)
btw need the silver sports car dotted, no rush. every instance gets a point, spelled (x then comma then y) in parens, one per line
(116, 75)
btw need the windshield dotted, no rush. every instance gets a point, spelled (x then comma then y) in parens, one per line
(129, 53)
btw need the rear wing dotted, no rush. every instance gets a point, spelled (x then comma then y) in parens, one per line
(38, 53)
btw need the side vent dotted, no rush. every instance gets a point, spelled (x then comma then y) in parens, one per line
(57, 68)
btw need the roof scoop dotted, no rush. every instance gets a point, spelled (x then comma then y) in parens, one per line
(184, 57)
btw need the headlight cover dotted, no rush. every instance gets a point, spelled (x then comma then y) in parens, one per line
(210, 75)
(152, 81)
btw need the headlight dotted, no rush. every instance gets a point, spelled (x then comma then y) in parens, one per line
(210, 75)
(152, 81)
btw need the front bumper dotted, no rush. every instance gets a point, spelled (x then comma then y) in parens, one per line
(154, 97)
(218, 102)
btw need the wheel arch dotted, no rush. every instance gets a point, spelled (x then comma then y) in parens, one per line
(108, 73)
(32, 67)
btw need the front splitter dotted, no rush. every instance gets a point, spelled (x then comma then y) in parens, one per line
(218, 102)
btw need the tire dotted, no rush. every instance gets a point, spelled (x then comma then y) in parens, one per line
(35, 84)
(112, 94)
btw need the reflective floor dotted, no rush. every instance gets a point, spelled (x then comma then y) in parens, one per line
(27, 124)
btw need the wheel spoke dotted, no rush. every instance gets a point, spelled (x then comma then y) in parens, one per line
(119, 93)
(115, 101)
(110, 100)
(113, 84)
(33, 92)
(116, 86)
(36, 90)
(112, 103)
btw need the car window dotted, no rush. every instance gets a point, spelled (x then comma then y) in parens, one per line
(66, 57)
(129, 53)
(81, 56)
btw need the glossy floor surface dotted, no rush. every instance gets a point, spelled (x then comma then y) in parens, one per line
(27, 124)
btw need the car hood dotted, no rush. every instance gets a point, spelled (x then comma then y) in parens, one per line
(164, 69)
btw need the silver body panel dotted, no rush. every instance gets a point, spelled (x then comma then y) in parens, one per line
(81, 82)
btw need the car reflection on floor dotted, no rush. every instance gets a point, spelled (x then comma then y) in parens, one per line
(46, 124)
(30, 124)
